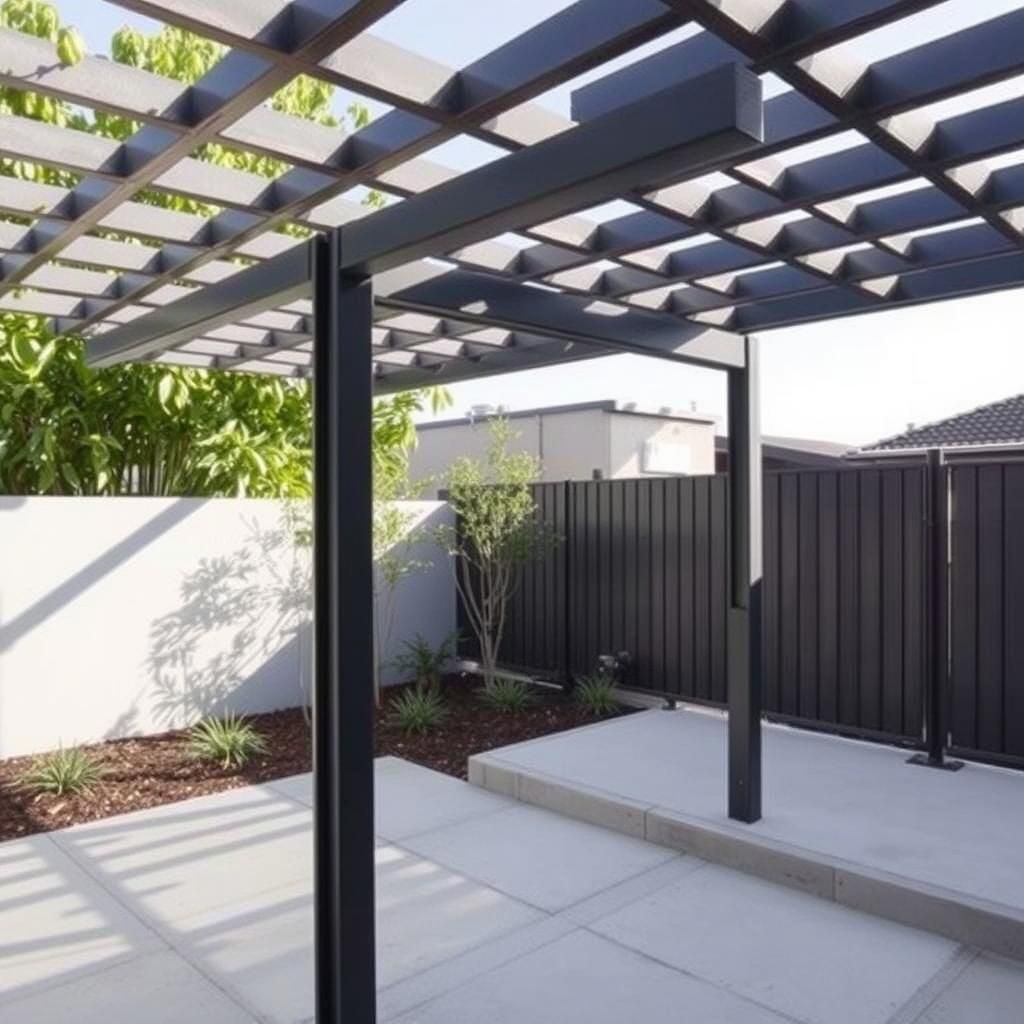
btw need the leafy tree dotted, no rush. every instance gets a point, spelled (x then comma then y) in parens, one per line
(497, 533)
(66, 428)
(395, 536)
(146, 429)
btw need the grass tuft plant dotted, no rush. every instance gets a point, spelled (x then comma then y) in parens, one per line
(231, 740)
(508, 695)
(424, 663)
(418, 710)
(596, 693)
(64, 772)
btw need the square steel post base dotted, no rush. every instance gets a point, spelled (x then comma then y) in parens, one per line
(929, 762)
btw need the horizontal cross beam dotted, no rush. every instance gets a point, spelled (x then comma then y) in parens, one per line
(682, 131)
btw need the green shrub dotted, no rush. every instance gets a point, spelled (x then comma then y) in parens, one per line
(507, 694)
(418, 710)
(231, 740)
(63, 772)
(596, 693)
(422, 662)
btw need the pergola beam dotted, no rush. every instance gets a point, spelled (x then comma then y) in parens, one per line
(685, 130)
(483, 299)
(647, 141)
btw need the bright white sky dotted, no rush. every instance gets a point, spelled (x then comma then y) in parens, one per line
(852, 380)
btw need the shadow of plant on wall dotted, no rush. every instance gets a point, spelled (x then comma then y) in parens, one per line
(239, 616)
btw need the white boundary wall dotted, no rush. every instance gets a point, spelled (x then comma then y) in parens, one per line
(126, 616)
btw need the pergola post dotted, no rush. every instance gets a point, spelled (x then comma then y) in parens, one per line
(343, 700)
(744, 620)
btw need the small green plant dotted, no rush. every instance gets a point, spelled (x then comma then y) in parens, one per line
(418, 710)
(507, 694)
(596, 693)
(70, 772)
(424, 663)
(231, 740)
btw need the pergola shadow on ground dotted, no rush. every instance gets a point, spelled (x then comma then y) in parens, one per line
(488, 909)
(862, 184)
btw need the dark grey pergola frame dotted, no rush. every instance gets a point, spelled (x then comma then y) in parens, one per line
(643, 142)
(422, 292)
(638, 143)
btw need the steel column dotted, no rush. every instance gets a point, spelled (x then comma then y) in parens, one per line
(343, 649)
(936, 690)
(744, 621)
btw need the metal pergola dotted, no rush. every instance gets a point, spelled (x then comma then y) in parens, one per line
(858, 185)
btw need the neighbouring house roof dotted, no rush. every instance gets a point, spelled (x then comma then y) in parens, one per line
(602, 405)
(997, 424)
(797, 450)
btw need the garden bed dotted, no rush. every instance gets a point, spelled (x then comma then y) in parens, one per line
(153, 770)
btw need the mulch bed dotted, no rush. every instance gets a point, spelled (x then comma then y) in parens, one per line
(154, 770)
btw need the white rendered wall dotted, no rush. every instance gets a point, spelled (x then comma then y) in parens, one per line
(629, 434)
(125, 616)
(574, 444)
(571, 444)
(436, 450)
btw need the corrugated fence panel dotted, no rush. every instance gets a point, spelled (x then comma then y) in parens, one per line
(647, 574)
(642, 566)
(986, 611)
(844, 591)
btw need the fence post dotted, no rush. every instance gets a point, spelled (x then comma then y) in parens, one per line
(568, 498)
(936, 687)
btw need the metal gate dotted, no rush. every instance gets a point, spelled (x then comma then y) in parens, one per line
(844, 600)
(986, 690)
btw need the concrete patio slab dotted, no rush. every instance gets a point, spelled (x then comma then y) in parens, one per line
(55, 919)
(989, 991)
(158, 988)
(803, 957)
(409, 798)
(427, 913)
(583, 977)
(544, 859)
(202, 911)
(261, 950)
(180, 859)
(844, 819)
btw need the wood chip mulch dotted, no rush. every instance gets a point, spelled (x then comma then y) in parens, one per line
(154, 770)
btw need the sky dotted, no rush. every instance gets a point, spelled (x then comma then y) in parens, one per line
(853, 380)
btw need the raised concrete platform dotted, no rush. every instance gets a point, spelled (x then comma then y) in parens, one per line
(844, 821)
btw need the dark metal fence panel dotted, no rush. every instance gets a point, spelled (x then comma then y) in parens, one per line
(986, 713)
(643, 566)
(844, 599)
(647, 574)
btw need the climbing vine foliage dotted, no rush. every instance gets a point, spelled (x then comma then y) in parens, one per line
(66, 428)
